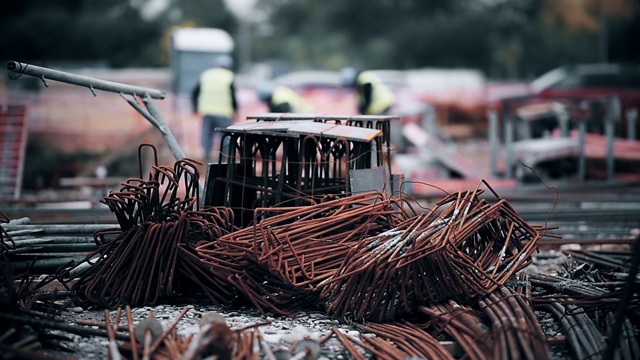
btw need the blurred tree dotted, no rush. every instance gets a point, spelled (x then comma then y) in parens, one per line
(358, 32)
(202, 13)
(78, 31)
(623, 44)
(192, 13)
(504, 38)
(594, 17)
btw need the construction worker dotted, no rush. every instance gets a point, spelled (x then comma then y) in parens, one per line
(214, 99)
(373, 96)
(282, 99)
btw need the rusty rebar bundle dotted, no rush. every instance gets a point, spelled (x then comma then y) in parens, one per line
(463, 249)
(502, 325)
(364, 257)
(464, 325)
(279, 263)
(160, 221)
(517, 334)
(398, 340)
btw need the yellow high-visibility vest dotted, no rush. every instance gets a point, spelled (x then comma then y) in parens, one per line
(283, 94)
(215, 92)
(381, 96)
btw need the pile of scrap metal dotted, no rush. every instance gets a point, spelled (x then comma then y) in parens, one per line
(598, 289)
(365, 257)
(318, 246)
(295, 159)
(410, 278)
(20, 296)
(151, 257)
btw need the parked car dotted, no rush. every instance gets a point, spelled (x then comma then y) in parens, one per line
(593, 81)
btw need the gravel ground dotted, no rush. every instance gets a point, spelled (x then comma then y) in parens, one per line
(278, 332)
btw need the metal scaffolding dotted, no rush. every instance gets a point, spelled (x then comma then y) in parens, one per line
(150, 111)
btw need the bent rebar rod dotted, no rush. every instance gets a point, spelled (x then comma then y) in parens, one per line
(92, 83)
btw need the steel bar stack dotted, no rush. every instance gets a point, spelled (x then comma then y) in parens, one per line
(279, 263)
(43, 249)
(576, 305)
(288, 163)
(463, 249)
(157, 217)
(516, 331)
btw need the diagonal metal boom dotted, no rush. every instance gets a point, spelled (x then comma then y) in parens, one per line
(146, 94)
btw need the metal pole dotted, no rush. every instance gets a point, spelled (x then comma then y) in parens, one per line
(91, 83)
(613, 114)
(623, 305)
(245, 44)
(508, 145)
(582, 161)
(59, 229)
(563, 119)
(632, 121)
(492, 116)
(147, 94)
(164, 129)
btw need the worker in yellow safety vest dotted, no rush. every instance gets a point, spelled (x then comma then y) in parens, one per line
(282, 99)
(373, 96)
(214, 99)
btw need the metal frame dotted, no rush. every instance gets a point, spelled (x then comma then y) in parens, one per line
(611, 116)
(150, 111)
(291, 164)
(379, 122)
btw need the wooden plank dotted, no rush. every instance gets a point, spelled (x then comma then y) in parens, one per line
(309, 127)
(353, 133)
(319, 117)
(302, 127)
(283, 116)
(258, 126)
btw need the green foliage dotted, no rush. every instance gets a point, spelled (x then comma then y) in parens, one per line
(206, 13)
(624, 44)
(79, 31)
(507, 39)
(504, 38)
